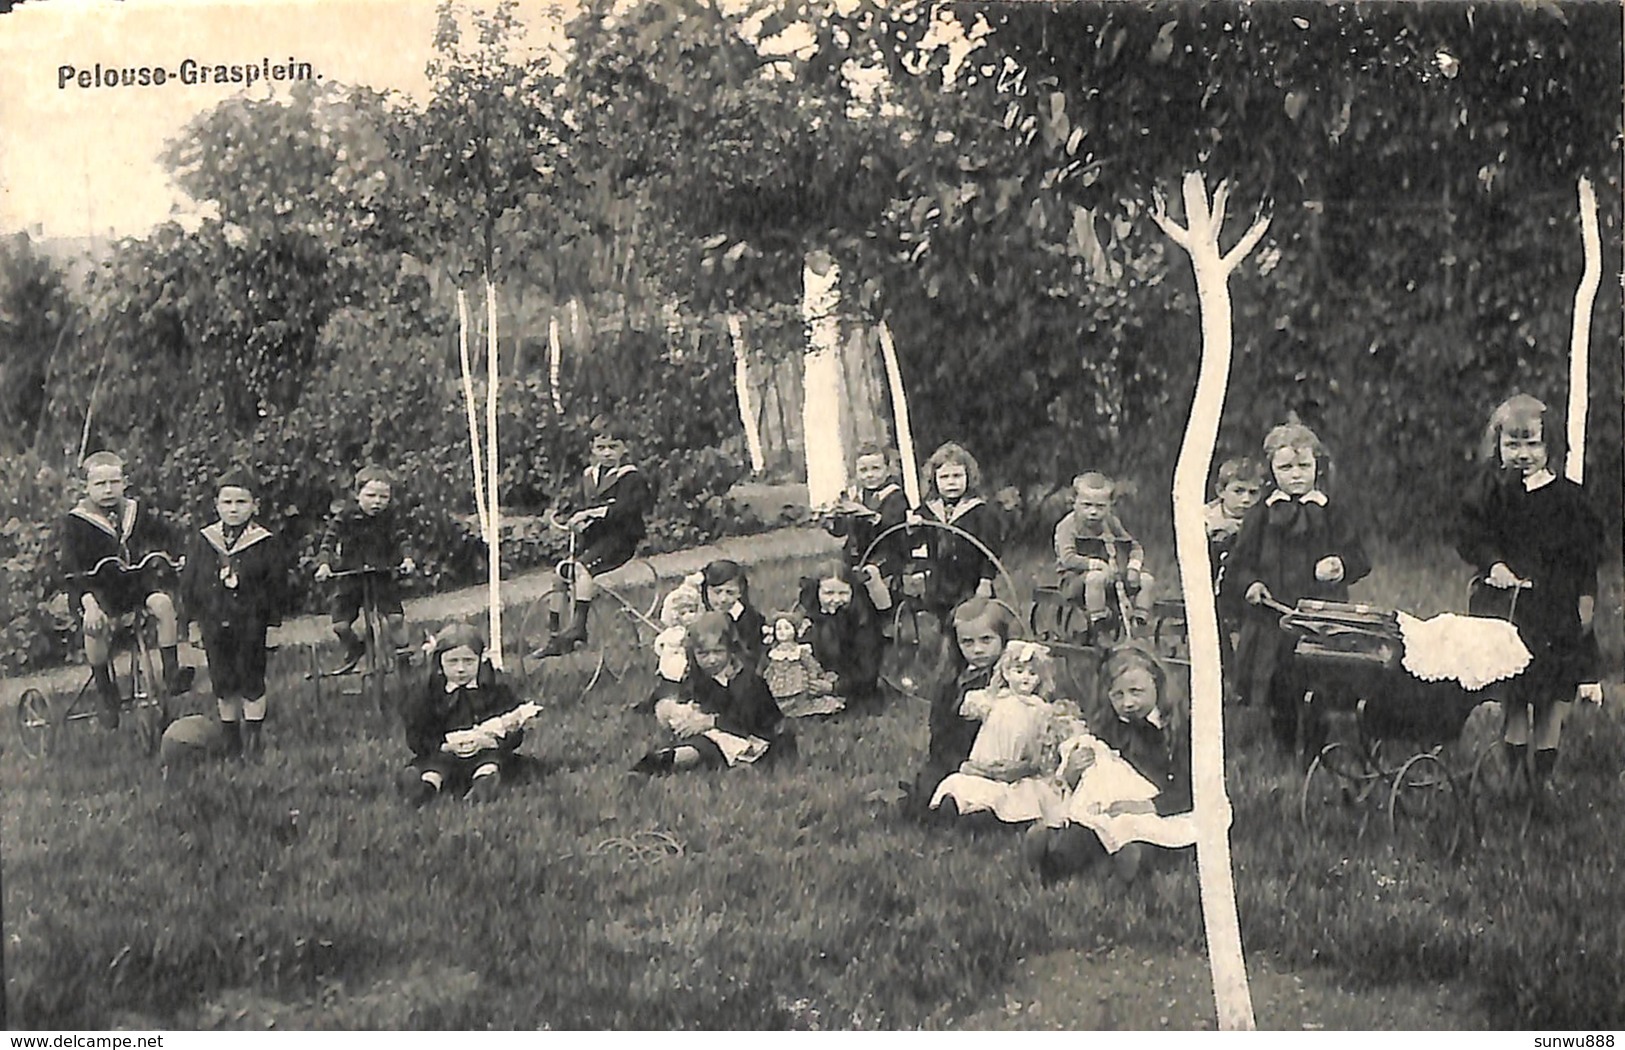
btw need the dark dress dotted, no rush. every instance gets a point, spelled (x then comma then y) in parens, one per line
(1553, 538)
(353, 539)
(235, 588)
(743, 708)
(431, 712)
(87, 538)
(957, 565)
(1278, 546)
(848, 643)
(1164, 758)
(952, 734)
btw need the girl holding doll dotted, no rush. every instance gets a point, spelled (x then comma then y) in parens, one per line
(725, 588)
(723, 715)
(1129, 776)
(1013, 762)
(844, 633)
(464, 726)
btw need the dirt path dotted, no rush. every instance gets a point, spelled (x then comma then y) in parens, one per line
(797, 542)
(1132, 988)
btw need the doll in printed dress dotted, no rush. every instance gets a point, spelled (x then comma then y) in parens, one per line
(798, 682)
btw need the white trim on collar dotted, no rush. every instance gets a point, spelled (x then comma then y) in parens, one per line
(1538, 480)
(1315, 496)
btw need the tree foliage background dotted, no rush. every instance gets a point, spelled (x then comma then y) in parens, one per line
(982, 175)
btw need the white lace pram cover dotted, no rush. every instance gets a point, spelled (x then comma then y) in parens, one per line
(1475, 651)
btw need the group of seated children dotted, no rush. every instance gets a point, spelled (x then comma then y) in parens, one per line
(1113, 780)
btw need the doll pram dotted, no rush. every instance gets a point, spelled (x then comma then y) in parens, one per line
(1350, 661)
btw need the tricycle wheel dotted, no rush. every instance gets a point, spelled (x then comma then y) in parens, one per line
(36, 731)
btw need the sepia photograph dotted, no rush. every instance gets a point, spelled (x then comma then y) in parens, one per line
(812, 515)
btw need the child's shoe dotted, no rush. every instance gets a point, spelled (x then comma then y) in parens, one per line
(354, 650)
(419, 793)
(484, 789)
(1126, 863)
(656, 763)
(180, 682)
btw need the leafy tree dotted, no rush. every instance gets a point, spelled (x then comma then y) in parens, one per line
(38, 315)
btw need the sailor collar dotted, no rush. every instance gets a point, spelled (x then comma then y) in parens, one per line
(962, 508)
(1315, 496)
(603, 477)
(216, 536)
(119, 530)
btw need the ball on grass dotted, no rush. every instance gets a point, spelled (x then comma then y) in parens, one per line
(192, 739)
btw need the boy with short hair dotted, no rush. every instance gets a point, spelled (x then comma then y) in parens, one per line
(1093, 552)
(365, 535)
(1239, 483)
(104, 534)
(609, 525)
(235, 590)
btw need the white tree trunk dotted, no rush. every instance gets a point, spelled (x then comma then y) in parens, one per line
(493, 550)
(1210, 801)
(899, 407)
(1585, 296)
(553, 356)
(747, 411)
(473, 415)
(821, 383)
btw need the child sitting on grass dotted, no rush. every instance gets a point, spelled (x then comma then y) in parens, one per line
(1535, 544)
(981, 628)
(102, 536)
(845, 634)
(1130, 776)
(365, 535)
(235, 589)
(725, 588)
(1094, 553)
(1299, 544)
(724, 715)
(679, 609)
(1012, 763)
(464, 725)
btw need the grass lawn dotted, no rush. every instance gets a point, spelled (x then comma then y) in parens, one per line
(796, 897)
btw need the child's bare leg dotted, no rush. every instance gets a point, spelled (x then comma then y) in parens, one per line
(1095, 583)
(162, 609)
(1144, 599)
(395, 631)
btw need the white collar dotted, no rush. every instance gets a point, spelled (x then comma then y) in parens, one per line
(736, 610)
(1315, 496)
(1538, 480)
(252, 533)
(475, 684)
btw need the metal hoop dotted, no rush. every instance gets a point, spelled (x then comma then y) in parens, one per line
(1004, 573)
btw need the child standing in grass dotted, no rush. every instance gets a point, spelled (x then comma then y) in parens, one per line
(960, 569)
(365, 535)
(725, 588)
(235, 589)
(104, 534)
(1130, 776)
(1094, 553)
(724, 716)
(1298, 544)
(464, 725)
(1240, 481)
(844, 632)
(1535, 544)
(981, 629)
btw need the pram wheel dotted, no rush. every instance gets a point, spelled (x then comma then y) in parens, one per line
(1427, 805)
(1338, 781)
